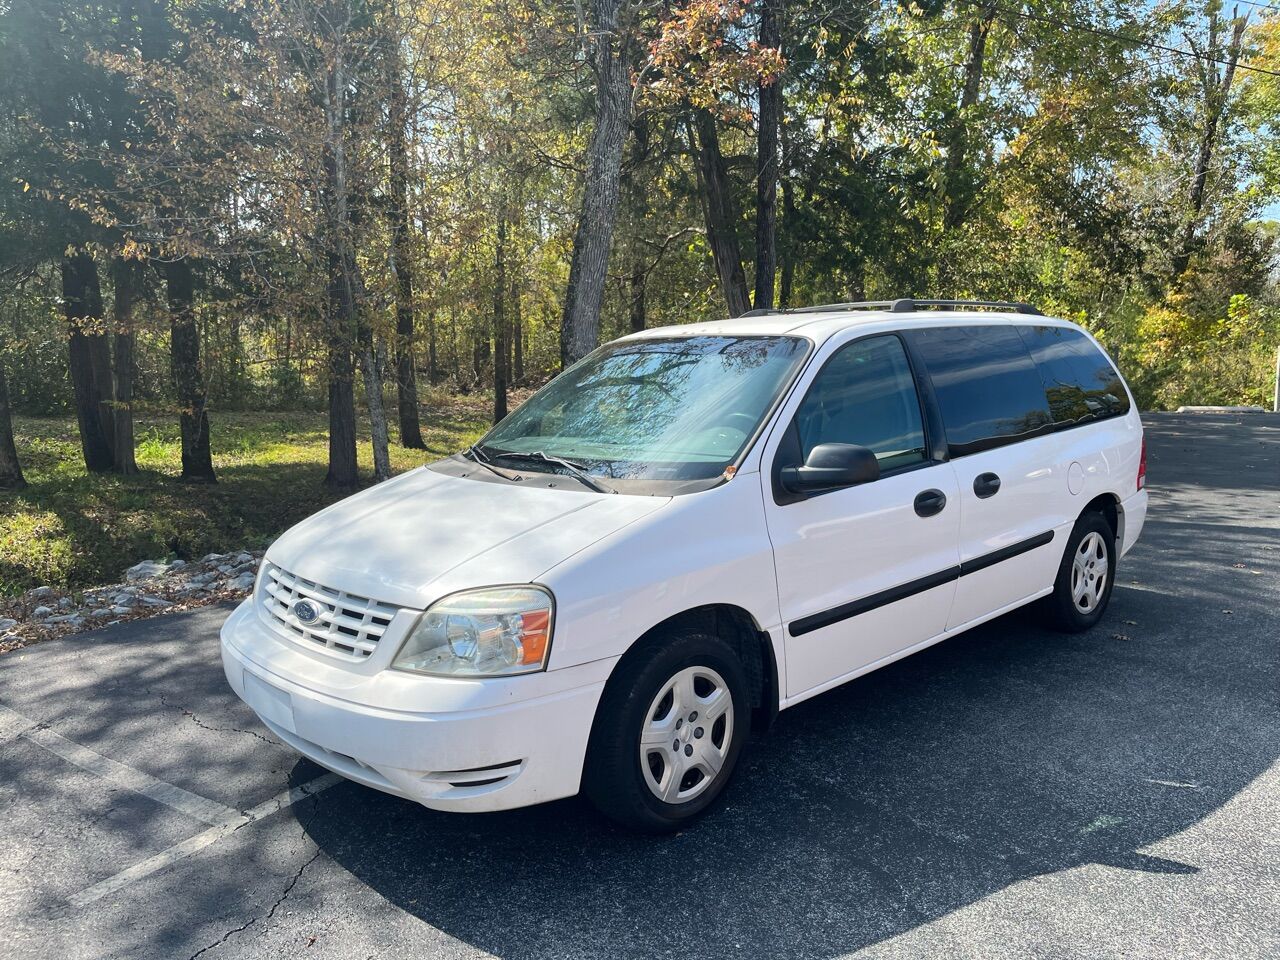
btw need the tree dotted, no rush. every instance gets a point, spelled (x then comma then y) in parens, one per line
(346, 287)
(610, 44)
(89, 359)
(125, 279)
(956, 178)
(1215, 71)
(402, 259)
(703, 69)
(187, 373)
(62, 108)
(501, 328)
(11, 477)
(769, 95)
(720, 211)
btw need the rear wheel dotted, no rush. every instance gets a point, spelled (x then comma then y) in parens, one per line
(668, 732)
(1085, 576)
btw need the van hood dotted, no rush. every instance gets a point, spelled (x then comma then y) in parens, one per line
(412, 539)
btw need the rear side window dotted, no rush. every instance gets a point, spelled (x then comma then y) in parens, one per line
(1079, 381)
(866, 395)
(987, 386)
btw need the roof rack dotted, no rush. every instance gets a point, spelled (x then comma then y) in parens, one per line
(905, 305)
(910, 306)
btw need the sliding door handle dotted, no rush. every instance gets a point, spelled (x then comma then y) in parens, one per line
(986, 485)
(930, 502)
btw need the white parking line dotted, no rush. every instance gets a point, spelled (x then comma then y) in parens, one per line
(224, 820)
(197, 843)
(117, 774)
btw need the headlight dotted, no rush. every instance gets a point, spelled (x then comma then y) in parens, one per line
(496, 631)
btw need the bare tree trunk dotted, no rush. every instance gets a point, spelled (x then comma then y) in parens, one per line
(1216, 88)
(11, 477)
(958, 191)
(500, 355)
(479, 355)
(639, 184)
(767, 164)
(433, 355)
(588, 270)
(342, 473)
(344, 323)
(639, 280)
(82, 305)
(788, 259)
(517, 335)
(455, 363)
(402, 262)
(125, 274)
(379, 433)
(188, 377)
(721, 214)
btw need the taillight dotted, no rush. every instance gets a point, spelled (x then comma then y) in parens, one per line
(1142, 465)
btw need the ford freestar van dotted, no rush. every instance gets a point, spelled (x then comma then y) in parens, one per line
(691, 529)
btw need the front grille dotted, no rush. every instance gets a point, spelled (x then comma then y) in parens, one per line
(348, 624)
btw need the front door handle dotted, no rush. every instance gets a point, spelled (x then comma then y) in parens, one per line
(986, 485)
(930, 502)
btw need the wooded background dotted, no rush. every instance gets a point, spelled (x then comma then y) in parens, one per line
(344, 204)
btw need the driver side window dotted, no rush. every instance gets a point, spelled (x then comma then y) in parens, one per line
(866, 395)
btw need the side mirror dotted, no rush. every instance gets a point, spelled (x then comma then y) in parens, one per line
(832, 465)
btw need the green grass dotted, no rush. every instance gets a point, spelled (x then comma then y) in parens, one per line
(72, 529)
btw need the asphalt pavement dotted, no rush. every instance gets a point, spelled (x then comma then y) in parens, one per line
(1008, 793)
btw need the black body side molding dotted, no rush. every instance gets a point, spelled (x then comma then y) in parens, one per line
(816, 621)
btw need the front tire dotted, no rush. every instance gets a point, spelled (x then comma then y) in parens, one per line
(668, 732)
(1085, 576)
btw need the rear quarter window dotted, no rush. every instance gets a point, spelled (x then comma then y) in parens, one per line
(989, 390)
(1079, 381)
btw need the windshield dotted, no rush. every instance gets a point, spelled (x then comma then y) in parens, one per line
(680, 408)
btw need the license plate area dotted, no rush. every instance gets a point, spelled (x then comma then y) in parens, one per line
(270, 703)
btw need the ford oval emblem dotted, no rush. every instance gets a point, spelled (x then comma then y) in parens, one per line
(306, 612)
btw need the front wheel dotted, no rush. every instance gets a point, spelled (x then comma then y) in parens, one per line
(1085, 576)
(668, 733)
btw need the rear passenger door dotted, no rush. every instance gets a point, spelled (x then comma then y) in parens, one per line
(868, 570)
(1012, 488)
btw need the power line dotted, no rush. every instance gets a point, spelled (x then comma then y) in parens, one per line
(1112, 34)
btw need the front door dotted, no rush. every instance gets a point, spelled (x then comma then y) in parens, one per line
(864, 571)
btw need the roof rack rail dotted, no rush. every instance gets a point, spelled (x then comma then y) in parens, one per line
(904, 305)
(908, 305)
(852, 305)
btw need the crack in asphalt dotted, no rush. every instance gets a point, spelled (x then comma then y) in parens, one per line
(284, 895)
(204, 726)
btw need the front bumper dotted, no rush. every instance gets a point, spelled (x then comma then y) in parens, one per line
(449, 744)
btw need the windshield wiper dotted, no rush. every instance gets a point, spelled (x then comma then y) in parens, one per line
(481, 458)
(575, 469)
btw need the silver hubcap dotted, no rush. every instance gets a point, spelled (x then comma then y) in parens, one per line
(1089, 573)
(686, 735)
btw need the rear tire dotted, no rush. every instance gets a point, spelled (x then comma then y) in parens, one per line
(668, 732)
(1085, 577)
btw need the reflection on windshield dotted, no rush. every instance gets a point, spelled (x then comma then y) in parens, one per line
(679, 408)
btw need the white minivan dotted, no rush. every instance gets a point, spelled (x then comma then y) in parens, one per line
(684, 533)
